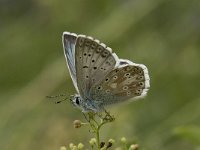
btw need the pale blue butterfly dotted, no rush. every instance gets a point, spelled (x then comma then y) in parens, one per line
(99, 76)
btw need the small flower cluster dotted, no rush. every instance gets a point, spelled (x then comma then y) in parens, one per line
(103, 145)
(96, 122)
(125, 145)
(73, 147)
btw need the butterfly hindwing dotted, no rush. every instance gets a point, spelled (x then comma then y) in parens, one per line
(93, 62)
(128, 80)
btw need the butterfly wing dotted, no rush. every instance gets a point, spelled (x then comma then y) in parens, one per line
(128, 80)
(99, 75)
(69, 41)
(93, 62)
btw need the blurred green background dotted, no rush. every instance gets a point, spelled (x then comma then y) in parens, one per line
(162, 34)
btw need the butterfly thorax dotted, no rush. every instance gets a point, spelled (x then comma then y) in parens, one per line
(86, 105)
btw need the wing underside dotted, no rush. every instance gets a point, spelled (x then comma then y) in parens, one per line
(127, 81)
(93, 62)
(99, 75)
(69, 41)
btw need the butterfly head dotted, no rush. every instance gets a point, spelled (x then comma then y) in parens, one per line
(76, 101)
(84, 105)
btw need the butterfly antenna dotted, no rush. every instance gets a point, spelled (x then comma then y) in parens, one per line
(55, 96)
(57, 102)
(60, 95)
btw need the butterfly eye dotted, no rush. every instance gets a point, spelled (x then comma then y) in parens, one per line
(77, 101)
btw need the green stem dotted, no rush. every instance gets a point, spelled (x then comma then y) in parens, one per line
(96, 125)
(98, 138)
(125, 147)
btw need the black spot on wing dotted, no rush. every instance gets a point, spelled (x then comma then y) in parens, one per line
(85, 67)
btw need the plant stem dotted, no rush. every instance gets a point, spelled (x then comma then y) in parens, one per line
(96, 125)
(98, 138)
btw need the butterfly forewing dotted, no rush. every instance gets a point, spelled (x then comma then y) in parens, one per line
(93, 62)
(69, 41)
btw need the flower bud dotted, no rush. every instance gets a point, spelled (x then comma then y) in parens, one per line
(123, 140)
(134, 147)
(102, 144)
(108, 145)
(74, 147)
(80, 146)
(93, 141)
(111, 141)
(104, 148)
(71, 145)
(77, 123)
(63, 148)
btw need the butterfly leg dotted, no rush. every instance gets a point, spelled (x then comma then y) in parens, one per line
(87, 118)
(108, 116)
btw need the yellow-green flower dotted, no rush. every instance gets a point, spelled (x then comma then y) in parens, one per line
(111, 141)
(123, 140)
(63, 148)
(134, 147)
(74, 147)
(71, 145)
(93, 141)
(102, 144)
(80, 146)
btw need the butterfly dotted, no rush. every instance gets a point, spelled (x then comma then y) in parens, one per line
(99, 76)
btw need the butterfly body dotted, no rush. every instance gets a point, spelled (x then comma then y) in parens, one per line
(86, 105)
(99, 76)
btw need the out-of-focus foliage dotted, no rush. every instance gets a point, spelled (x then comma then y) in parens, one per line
(189, 132)
(162, 34)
